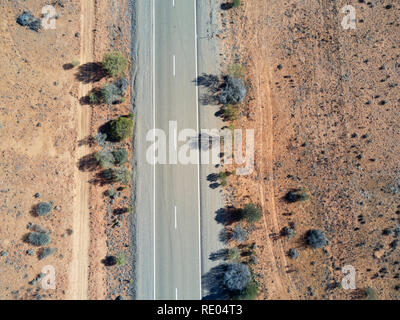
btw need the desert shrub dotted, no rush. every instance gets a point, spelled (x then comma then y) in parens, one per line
(316, 239)
(288, 232)
(44, 208)
(122, 175)
(111, 193)
(46, 252)
(101, 139)
(233, 91)
(115, 64)
(370, 293)
(233, 254)
(120, 156)
(222, 179)
(251, 213)
(229, 113)
(239, 234)
(121, 260)
(27, 19)
(236, 70)
(75, 63)
(38, 239)
(114, 93)
(249, 293)
(297, 195)
(293, 253)
(236, 277)
(121, 128)
(236, 3)
(105, 158)
(94, 98)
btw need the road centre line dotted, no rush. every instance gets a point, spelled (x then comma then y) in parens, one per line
(174, 64)
(175, 219)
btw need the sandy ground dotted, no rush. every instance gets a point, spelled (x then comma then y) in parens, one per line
(81, 237)
(326, 121)
(45, 129)
(38, 145)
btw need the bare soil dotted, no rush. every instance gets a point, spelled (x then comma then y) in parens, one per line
(323, 102)
(46, 139)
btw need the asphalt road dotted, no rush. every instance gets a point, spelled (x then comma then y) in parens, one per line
(168, 195)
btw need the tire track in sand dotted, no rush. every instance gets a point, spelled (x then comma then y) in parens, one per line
(78, 287)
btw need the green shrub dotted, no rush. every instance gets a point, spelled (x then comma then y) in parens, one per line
(249, 293)
(233, 254)
(44, 208)
(236, 3)
(251, 213)
(370, 293)
(105, 159)
(229, 113)
(121, 260)
(120, 156)
(122, 175)
(115, 64)
(236, 70)
(94, 98)
(75, 63)
(38, 239)
(121, 128)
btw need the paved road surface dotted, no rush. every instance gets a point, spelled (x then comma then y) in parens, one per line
(168, 265)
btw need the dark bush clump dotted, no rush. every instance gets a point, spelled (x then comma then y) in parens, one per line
(251, 213)
(296, 195)
(233, 91)
(115, 64)
(316, 239)
(237, 277)
(120, 156)
(110, 261)
(46, 252)
(44, 208)
(121, 128)
(122, 175)
(288, 232)
(27, 19)
(38, 239)
(293, 254)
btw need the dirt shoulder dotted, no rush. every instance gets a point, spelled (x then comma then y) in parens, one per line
(322, 102)
(47, 129)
